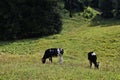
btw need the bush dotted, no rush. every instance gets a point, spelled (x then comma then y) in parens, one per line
(89, 13)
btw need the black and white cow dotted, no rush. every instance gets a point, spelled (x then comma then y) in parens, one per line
(53, 52)
(92, 57)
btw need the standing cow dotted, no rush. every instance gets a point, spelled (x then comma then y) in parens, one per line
(93, 59)
(53, 52)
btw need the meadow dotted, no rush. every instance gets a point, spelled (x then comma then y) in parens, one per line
(21, 59)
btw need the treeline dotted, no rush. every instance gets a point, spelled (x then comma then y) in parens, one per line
(108, 8)
(28, 18)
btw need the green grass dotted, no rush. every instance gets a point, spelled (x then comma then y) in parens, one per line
(21, 60)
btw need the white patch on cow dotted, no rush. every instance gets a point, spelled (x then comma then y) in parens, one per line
(58, 50)
(50, 50)
(93, 54)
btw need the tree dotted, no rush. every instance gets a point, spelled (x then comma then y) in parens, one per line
(106, 6)
(94, 3)
(74, 6)
(28, 18)
(117, 8)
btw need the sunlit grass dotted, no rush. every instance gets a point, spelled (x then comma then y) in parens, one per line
(21, 59)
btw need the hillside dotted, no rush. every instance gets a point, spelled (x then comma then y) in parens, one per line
(21, 60)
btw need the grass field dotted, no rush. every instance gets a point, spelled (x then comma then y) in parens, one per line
(21, 59)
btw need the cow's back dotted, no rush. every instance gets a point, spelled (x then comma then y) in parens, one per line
(92, 56)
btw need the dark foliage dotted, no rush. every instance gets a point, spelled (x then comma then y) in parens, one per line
(117, 10)
(74, 6)
(28, 18)
(106, 6)
(94, 3)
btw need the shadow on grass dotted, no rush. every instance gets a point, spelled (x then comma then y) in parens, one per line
(26, 39)
(8, 42)
(99, 21)
(2, 43)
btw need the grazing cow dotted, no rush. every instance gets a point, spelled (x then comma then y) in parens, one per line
(53, 52)
(93, 59)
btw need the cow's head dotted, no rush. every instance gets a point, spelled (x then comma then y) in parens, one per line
(97, 65)
(43, 60)
(61, 51)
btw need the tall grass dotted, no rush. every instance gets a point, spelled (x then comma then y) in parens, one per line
(21, 60)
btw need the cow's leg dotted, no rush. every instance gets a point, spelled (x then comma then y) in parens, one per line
(90, 62)
(61, 58)
(50, 59)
